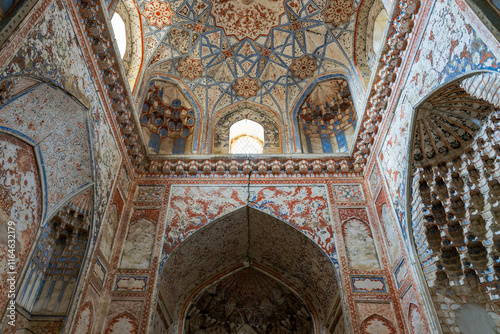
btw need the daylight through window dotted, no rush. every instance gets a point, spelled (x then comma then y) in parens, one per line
(246, 137)
(120, 33)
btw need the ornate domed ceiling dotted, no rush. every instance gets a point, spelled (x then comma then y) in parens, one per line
(447, 123)
(265, 51)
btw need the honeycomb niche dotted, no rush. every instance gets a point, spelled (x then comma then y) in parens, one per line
(327, 118)
(167, 119)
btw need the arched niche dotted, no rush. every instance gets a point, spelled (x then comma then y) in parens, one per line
(109, 227)
(52, 275)
(84, 321)
(360, 245)
(168, 119)
(120, 33)
(244, 240)
(378, 31)
(327, 118)
(123, 323)
(266, 118)
(454, 172)
(367, 30)
(246, 137)
(376, 324)
(138, 248)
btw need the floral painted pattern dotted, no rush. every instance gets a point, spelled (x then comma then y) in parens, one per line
(303, 67)
(338, 12)
(247, 18)
(190, 68)
(246, 87)
(158, 13)
(305, 208)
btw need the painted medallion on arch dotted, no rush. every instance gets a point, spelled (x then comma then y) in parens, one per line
(304, 207)
(84, 320)
(123, 324)
(360, 246)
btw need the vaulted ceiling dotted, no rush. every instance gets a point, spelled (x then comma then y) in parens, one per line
(246, 238)
(284, 51)
(263, 51)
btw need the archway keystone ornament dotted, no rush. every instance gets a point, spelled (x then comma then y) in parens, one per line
(246, 87)
(158, 13)
(247, 18)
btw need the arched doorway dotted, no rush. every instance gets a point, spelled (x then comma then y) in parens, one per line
(248, 271)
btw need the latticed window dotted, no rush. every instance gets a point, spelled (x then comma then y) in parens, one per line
(246, 137)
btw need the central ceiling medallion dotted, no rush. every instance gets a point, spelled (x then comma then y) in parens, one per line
(246, 87)
(247, 18)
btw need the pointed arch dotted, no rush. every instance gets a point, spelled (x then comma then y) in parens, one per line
(54, 269)
(447, 159)
(301, 104)
(365, 57)
(416, 320)
(134, 54)
(223, 120)
(137, 249)
(248, 237)
(84, 322)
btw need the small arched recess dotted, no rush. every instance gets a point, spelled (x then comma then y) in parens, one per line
(52, 274)
(327, 118)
